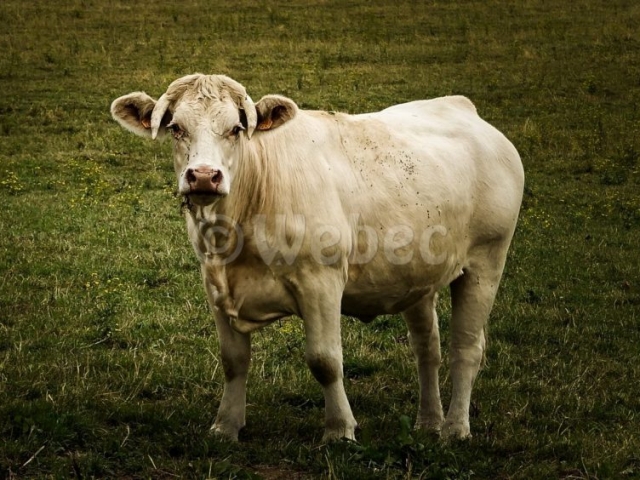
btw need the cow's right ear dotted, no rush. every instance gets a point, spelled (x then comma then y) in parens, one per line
(133, 112)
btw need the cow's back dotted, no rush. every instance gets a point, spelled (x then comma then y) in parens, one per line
(439, 152)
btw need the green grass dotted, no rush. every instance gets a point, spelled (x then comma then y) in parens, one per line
(108, 355)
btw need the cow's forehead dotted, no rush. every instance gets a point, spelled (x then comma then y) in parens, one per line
(193, 109)
(198, 94)
(202, 87)
(198, 97)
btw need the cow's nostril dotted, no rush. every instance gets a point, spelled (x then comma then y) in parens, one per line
(190, 175)
(217, 177)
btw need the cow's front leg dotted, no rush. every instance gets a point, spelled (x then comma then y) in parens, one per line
(324, 357)
(235, 352)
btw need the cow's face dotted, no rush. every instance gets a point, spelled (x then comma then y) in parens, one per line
(210, 118)
(207, 136)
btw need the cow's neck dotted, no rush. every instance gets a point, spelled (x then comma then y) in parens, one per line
(254, 185)
(272, 177)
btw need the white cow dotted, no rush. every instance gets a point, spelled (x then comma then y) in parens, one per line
(314, 214)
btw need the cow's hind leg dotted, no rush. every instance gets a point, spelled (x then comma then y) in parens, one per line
(472, 297)
(424, 337)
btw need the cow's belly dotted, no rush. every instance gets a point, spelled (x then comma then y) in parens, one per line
(368, 304)
(380, 288)
(394, 280)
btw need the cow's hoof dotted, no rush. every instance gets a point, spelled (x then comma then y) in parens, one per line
(429, 425)
(455, 431)
(331, 437)
(225, 432)
(336, 434)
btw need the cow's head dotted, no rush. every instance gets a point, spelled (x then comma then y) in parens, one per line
(210, 118)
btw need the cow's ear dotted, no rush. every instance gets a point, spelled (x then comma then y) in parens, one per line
(133, 112)
(274, 110)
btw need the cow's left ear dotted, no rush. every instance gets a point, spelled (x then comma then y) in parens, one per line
(274, 110)
(133, 112)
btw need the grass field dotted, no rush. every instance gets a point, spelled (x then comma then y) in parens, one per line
(108, 355)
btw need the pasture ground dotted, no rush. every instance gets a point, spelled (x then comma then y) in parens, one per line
(108, 354)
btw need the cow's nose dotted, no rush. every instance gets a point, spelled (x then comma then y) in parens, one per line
(203, 179)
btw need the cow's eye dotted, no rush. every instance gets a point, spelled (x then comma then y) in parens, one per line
(176, 131)
(235, 131)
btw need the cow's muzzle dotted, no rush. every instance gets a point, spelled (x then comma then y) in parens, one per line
(204, 184)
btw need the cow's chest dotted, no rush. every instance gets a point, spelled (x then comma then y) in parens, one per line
(257, 293)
